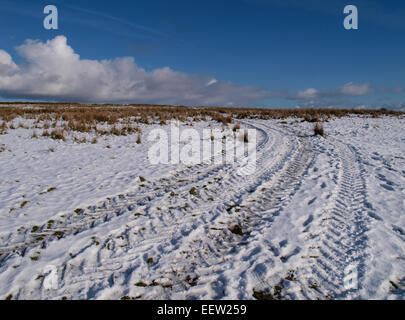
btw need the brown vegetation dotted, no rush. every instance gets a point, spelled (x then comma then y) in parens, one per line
(119, 120)
(318, 129)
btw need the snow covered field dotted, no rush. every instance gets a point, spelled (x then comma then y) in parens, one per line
(98, 221)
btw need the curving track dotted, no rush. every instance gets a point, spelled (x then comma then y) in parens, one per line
(164, 241)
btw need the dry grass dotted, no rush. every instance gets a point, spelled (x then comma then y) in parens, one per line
(245, 137)
(236, 127)
(3, 128)
(103, 120)
(318, 129)
(79, 139)
(58, 134)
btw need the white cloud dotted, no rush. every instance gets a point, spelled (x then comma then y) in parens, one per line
(7, 65)
(352, 89)
(52, 70)
(211, 82)
(348, 90)
(309, 93)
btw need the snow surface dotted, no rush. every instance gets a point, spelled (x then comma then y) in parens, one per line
(313, 208)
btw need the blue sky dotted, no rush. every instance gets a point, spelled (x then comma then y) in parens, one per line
(280, 53)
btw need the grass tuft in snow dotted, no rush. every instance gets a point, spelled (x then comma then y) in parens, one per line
(318, 129)
(193, 191)
(262, 295)
(236, 229)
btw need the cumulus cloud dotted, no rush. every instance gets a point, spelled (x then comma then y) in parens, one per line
(7, 66)
(348, 96)
(352, 89)
(348, 90)
(53, 71)
(310, 93)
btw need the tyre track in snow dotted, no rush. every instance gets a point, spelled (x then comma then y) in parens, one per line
(76, 222)
(139, 247)
(341, 242)
(198, 257)
(118, 206)
(176, 232)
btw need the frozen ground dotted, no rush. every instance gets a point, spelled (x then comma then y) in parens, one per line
(314, 209)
